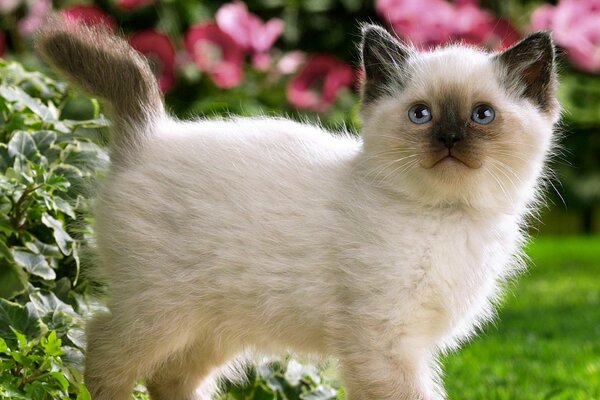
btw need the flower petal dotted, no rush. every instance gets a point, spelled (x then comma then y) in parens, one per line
(161, 53)
(216, 53)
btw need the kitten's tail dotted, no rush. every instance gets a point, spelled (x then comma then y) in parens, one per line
(107, 67)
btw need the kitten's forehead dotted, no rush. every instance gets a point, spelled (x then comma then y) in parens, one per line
(458, 72)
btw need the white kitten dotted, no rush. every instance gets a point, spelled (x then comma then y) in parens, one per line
(221, 237)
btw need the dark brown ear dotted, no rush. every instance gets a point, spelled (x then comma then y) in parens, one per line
(530, 69)
(383, 58)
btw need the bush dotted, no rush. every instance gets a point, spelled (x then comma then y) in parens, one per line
(46, 163)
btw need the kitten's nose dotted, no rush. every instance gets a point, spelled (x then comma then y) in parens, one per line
(448, 139)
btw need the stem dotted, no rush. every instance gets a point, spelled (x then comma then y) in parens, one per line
(17, 210)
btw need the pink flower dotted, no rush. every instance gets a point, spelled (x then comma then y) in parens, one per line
(575, 27)
(247, 29)
(36, 15)
(429, 23)
(290, 62)
(216, 53)
(319, 82)
(159, 50)
(131, 5)
(89, 15)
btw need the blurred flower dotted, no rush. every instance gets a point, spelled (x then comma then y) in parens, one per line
(133, 4)
(159, 50)
(429, 23)
(249, 31)
(318, 83)
(89, 15)
(8, 6)
(35, 17)
(575, 25)
(290, 62)
(261, 61)
(216, 53)
(2, 44)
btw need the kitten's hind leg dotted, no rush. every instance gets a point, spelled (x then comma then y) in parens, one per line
(187, 375)
(122, 349)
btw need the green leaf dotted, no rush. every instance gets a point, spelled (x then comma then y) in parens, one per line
(320, 393)
(63, 206)
(5, 224)
(60, 378)
(36, 390)
(44, 139)
(21, 144)
(38, 247)
(3, 346)
(83, 394)
(47, 303)
(63, 239)
(13, 280)
(35, 264)
(17, 95)
(20, 318)
(5, 251)
(5, 159)
(51, 345)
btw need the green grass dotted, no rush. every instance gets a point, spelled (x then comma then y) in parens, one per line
(545, 343)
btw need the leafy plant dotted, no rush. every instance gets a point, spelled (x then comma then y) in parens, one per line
(34, 369)
(47, 164)
(275, 380)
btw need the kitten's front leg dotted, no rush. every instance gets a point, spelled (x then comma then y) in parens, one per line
(399, 373)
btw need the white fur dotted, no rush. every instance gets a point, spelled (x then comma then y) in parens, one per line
(266, 235)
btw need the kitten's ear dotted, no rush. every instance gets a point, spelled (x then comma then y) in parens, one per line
(530, 71)
(383, 58)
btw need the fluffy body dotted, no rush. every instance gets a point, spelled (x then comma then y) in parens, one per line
(224, 237)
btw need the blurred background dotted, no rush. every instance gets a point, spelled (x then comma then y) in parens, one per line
(296, 58)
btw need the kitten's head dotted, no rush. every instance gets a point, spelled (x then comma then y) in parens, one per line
(458, 125)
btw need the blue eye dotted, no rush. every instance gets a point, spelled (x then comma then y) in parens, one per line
(483, 114)
(419, 114)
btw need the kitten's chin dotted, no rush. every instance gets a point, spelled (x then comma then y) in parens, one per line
(449, 159)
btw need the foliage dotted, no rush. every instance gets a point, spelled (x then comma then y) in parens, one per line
(46, 163)
(272, 380)
(34, 369)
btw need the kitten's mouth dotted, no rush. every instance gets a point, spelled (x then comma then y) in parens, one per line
(450, 159)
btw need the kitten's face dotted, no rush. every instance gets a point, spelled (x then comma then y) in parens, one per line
(458, 125)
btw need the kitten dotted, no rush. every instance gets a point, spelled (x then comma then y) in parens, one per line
(223, 237)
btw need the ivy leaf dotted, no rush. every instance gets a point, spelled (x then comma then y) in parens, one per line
(38, 247)
(320, 393)
(51, 345)
(13, 280)
(35, 264)
(44, 139)
(5, 251)
(35, 390)
(21, 144)
(83, 394)
(48, 303)
(4, 157)
(63, 206)
(17, 95)
(19, 318)
(63, 239)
